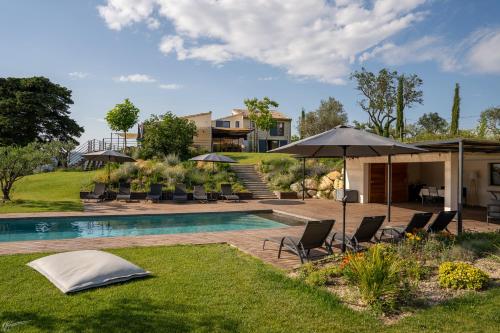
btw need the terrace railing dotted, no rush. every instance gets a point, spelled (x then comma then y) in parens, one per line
(114, 143)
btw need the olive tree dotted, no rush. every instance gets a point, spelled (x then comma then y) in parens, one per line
(19, 161)
(260, 114)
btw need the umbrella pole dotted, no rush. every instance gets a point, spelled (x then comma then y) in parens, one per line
(344, 198)
(303, 178)
(389, 187)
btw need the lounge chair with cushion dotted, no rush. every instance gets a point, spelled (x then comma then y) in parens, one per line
(314, 236)
(123, 192)
(99, 192)
(418, 221)
(200, 194)
(442, 220)
(366, 233)
(154, 193)
(227, 193)
(180, 193)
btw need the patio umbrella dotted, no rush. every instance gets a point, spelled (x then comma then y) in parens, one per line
(345, 141)
(108, 156)
(213, 158)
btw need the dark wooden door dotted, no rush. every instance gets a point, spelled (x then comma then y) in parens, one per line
(378, 182)
(377, 188)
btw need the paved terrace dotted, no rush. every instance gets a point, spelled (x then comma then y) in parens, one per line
(249, 241)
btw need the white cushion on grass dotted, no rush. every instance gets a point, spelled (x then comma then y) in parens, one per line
(79, 270)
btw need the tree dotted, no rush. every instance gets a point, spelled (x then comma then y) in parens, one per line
(122, 117)
(432, 123)
(167, 134)
(260, 114)
(35, 109)
(489, 123)
(400, 109)
(302, 123)
(380, 96)
(17, 162)
(329, 114)
(455, 111)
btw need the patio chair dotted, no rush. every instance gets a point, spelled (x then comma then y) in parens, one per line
(365, 233)
(493, 211)
(227, 193)
(200, 194)
(123, 192)
(180, 194)
(155, 192)
(99, 192)
(441, 221)
(314, 236)
(418, 221)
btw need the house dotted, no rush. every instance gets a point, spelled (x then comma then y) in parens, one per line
(236, 132)
(447, 166)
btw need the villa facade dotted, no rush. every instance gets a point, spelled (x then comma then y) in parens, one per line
(236, 132)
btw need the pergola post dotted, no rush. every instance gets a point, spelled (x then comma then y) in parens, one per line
(389, 187)
(303, 178)
(460, 193)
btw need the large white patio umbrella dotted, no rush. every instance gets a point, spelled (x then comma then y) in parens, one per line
(213, 158)
(345, 141)
(108, 156)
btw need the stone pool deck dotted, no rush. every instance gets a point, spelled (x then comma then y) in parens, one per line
(249, 241)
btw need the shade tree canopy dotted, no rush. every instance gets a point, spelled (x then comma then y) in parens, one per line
(167, 134)
(329, 114)
(259, 112)
(35, 109)
(380, 96)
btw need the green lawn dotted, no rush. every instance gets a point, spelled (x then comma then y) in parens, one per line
(211, 288)
(253, 158)
(44, 192)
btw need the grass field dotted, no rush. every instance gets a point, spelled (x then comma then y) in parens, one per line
(211, 288)
(44, 192)
(253, 158)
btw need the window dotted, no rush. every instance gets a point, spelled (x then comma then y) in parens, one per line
(222, 123)
(278, 130)
(237, 124)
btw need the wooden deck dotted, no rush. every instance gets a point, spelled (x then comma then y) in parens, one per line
(249, 241)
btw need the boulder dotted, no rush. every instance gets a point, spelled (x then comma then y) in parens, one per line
(311, 184)
(296, 187)
(311, 193)
(325, 183)
(338, 184)
(332, 195)
(323, 194)
(334, 175)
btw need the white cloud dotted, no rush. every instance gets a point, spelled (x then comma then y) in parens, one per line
(170, 86)
(479, 52)
(137, 78)
(308, 38)
(267, 78)
(484, 56)
(78, 75)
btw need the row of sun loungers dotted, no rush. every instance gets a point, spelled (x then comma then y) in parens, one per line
(318, 234)
(155, 193)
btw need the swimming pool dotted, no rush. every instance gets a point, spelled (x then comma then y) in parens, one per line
(113, 226)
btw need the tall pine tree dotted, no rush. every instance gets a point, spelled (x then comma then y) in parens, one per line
(455, 111)
(400, 108)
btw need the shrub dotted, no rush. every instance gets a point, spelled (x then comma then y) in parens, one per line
(481, 244)
(282, 182)
(172, 159)
(460, 275)
(315, 276)
(377, 275)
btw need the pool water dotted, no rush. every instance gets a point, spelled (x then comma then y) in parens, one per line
(112, 226)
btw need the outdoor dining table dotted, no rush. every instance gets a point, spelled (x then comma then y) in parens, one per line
(425, 192)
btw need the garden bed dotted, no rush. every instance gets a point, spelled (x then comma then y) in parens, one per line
(396, 280)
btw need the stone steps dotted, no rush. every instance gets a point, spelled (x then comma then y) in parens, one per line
(253, 181)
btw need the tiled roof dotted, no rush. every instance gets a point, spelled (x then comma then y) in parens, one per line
(276, 114)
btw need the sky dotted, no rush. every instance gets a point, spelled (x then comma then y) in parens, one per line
(196, 56)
